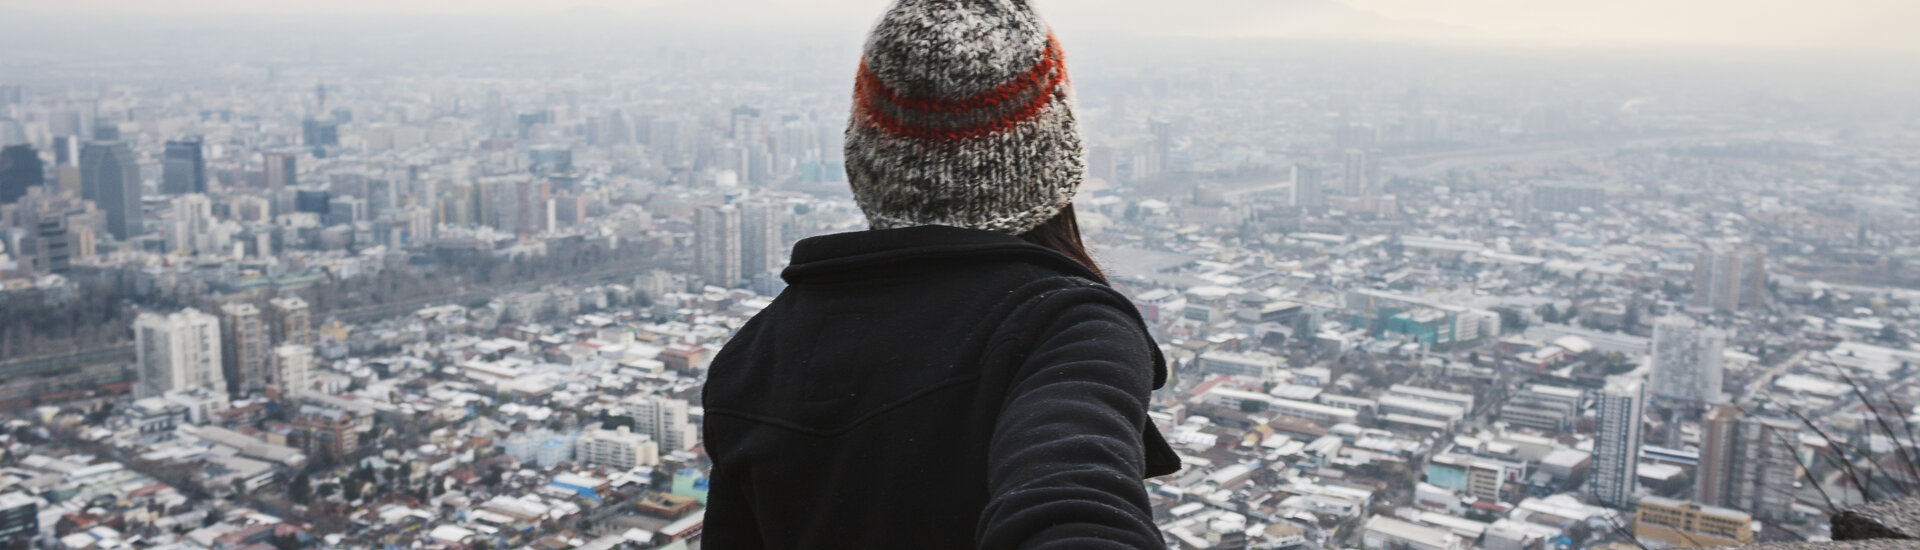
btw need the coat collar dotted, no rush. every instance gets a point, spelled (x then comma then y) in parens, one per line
(844, 255)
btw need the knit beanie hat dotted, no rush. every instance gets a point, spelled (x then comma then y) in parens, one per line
(962, 117)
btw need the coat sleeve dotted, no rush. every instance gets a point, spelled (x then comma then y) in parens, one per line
(1065, 462)
(730, 523)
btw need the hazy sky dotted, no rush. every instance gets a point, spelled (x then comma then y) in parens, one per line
(1835, 24)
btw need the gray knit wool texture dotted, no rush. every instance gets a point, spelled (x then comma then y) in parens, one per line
(1009, 180)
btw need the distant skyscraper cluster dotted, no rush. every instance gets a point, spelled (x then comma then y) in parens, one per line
(1579, 289)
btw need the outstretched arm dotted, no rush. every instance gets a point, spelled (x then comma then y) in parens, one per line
(1066, 459)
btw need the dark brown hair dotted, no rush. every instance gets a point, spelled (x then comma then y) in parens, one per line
(1062, 234)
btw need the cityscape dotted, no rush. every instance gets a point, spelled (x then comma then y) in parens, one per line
(319, 284)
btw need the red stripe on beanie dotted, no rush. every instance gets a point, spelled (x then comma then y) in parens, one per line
(1048, 74)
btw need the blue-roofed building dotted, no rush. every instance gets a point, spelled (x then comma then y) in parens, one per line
(585, 487)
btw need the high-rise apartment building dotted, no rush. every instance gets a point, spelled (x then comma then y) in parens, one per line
(1730, 278)
(619, 448)
(534, 201)
(716, 244)
(1718, 447)
(247, 350)
(760, 239)
(110, 178)
(569, 210)
(1747, 463)
(190, 226)
(293, 370)
(66, 164)
(1616, 447)
(178, 352)
(1359, 170)
(281, 171)
(1163, 138)
(1309, 193)
(420, 227)
(666, 139)
(665, 420)
(327, 431)
(290, 321)
(183, 167)
(516, 205)
(20, 169)
(1687, 360)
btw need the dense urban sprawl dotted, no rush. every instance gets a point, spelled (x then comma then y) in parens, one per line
(334, 299)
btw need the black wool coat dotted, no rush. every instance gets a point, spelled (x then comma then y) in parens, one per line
(935, 387)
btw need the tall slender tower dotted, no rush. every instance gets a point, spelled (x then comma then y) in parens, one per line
(110, 178)
(716, 252)
(1308, 194)
(66, 164)
(293, 366)
(246, 349)
(1717, 450)
(1616, 448)
(760, 240)
(1358, 173)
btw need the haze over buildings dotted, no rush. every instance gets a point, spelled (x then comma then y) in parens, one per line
(1471, 274)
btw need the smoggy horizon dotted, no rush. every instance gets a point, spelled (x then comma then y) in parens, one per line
(1840, 25)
